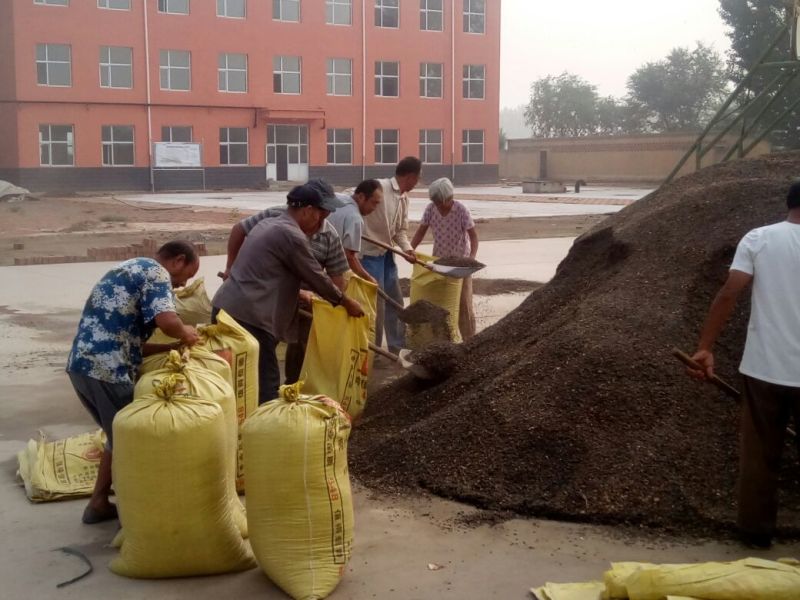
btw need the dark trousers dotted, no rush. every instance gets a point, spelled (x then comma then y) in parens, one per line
(296, 351)
(269, 373)
(766, 411)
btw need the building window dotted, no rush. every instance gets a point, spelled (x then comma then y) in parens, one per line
(387, 13)
(52, 2)
(233, 146)
(286, 10)
(56, 146)
(118, 145)
(472, 146)
(286, 74)
(114, 4)
(387, 78)
(176, 70)
(473, 84)
(340, 146)
(387, 146)
(54, 65)
(340, 77)
(116, 67)
(430, 80)
(176, 133)
(474, 16)
(431, 15)
(174, 7)
(339, 12)
(233, 9)
(430, 146)
(232, 72)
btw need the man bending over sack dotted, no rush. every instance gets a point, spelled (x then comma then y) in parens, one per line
(123, 310)
(263, 287)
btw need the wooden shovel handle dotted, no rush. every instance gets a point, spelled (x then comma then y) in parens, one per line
(717, 381)
(392, 249)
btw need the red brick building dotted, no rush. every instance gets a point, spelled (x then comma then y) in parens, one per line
(248, 90)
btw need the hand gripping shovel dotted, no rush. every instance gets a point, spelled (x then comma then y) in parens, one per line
(456, 272)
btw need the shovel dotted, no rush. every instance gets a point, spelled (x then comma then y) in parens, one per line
(455, 272)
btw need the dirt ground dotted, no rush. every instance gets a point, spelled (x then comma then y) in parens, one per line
(68, 226)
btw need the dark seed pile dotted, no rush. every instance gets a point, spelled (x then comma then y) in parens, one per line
(572, 406)
(458, 261)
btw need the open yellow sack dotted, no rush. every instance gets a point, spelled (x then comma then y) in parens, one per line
(192, 303)
(442, 291)
(299, 503)
(216, 388)
(61, 469)
(170, 476)
(337, 360)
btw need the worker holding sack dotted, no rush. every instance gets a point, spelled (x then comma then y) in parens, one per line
(122, 311)
(769, 258)
(263, 287)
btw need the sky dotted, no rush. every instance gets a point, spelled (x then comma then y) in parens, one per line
(603, 42)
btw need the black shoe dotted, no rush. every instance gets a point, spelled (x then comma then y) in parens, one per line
(758, 541)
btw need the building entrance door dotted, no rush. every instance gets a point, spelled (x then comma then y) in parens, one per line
(287, 152)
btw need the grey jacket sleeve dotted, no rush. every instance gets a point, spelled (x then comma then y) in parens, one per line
(308, 269)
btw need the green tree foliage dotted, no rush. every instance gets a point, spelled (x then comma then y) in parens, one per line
(563, 106)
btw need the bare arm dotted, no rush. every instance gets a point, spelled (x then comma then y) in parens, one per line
(171, 324)
(356, 266)
(419, 235)
(718, 315)
(339, 282)
(473, 242)
(235, 241)
(401, 235)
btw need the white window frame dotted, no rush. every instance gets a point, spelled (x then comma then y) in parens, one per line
(112, 143)
(380, 147)
(227, 69)
(105, 5)
(331, 11)
(224, 5)
(47, 61)
(425, 78)
(169, 68)
(470, 13)
(467, 143)
(64, 3)
(171, 137)
(425, 11)
(382, 7)
(227, 143)
(468, 79)
(281, 71)
(335, 143)
(49, 143)
(167, 10)
(279, 4)
(334, 75)
(109, 65)
(381, 78)
(425, 143)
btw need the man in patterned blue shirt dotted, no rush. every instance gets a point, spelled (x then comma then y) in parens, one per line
(122, 311)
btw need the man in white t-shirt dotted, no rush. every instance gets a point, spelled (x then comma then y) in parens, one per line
(769, 257)
(348, 221)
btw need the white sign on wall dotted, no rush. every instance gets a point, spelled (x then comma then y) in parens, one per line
(177, 154)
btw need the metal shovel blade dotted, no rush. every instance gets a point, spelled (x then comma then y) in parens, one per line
(404, 358)
(455, 272)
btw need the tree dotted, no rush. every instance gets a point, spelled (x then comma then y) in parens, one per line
(563, 106)
(502, 139)
(753, 24)
(678, 93)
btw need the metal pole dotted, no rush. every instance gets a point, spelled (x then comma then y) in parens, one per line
(771, 126)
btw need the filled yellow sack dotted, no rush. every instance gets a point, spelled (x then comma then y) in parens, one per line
(337, 356)
(299, 503)
(192, 303)
(442, 291)
(592, 590)
(215, 388)
(170, 477)
(60, 469)
(198, 355)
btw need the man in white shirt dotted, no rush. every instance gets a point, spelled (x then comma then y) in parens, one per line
(348, 221)
(388, 223)
(769, 257)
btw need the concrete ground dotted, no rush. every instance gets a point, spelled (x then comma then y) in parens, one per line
(396, 538)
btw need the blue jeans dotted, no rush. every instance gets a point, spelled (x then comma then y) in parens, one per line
(384, 270)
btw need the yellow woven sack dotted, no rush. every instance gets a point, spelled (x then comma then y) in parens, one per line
(192, 303)
(198, 355)
(170, 477)
(442, 291)
(299, 503)
(747, 579)
(337, 361)
(217, 389)
(592, 590)
(60, 469)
